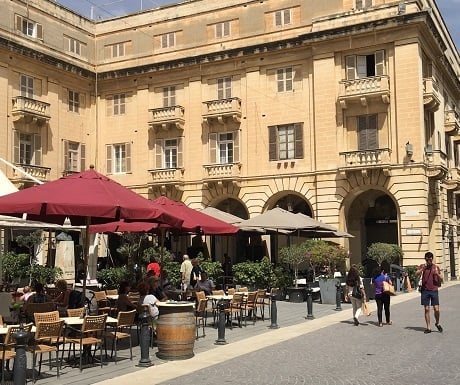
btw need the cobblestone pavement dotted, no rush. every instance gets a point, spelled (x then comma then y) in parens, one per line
(327, 350)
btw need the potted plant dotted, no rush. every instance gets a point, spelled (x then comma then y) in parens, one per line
(384, 252)
(294, 256)
(255, 275)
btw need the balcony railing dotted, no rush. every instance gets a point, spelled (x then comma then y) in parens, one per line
(364, 89)
(436, 162)
(451, 122)
(167, 117)
(30, 109)
(38, 172)
(167, 178)
(452, 181)
(222, 109)
(362, 160)
(219, 173)
(431, 94)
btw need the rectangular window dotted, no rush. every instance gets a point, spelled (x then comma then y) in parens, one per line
(282, 17)
(169, 96)
(224, 147)
(225, 144)
(26, 84)
(360, 4)
(118, 50)
(170, 153)
(222, 29)
(364, 66)
(168, 40)
(367, 132)
(74, 156)
(285, 79)
(74, 46)
(286, 141)
(118, 158)
(74, 101)
(119, 104)
(27, 148)
(224, 88)
(29, 27)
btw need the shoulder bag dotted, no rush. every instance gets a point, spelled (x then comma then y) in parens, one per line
(357, 293)
(388, 288)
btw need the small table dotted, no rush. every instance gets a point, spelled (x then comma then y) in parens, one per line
(75, 321)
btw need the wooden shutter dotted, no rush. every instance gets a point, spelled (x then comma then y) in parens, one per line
(351, 67)
(219, 30)
(361, 66)
(82, 100)
(278, 20)
(226, 28)
(37, 150)
(280, 76)
(298, 143)
(372, 130)
(236, 146)
(39, 31)
(82, 157)
(362, 134)
(164, 40)
(128, 48)
(108, 152)
(213, 148)
(159, 143)
(220, 89)
(272, 143)
(180, 157)
(109, 105)
(65, 98)
(66, 44)
(128, 157)
(19, 23)
(107, 52)
(65, 145)
(287, 16)
(380, 63)
(16, 152)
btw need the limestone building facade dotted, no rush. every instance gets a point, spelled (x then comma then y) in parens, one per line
(346, 110)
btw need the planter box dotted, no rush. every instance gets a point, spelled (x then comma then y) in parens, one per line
(328, 290)
(297, 294)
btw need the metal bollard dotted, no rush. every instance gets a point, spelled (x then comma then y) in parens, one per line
(144, 340)
(274, 312)
(309, 303)
(338, 296)
(221, 325)
(20, 362)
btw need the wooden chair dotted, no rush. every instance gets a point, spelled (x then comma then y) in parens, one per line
(243, 290)
(7, 354)
(249, 307)
(103, 304)
(49, 316)
(76, 312)
(201, 315)
(30, 308)
(122, 330)
(262, 301)
(111, 292)
(47, 340)
(231, 291)
(9, 339)
(91, 333)
(235, 308)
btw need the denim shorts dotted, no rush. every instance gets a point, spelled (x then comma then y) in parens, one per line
(430, 296)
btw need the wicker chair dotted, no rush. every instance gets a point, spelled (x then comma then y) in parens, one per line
(122, 330)
(201, 315)
(76, 312)
(7, 354)
(50, 316)
(31, 308)
(103, 303)
(235, 309)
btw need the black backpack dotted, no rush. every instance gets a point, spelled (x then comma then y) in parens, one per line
(76, 299)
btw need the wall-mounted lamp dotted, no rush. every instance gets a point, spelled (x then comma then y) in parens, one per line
(409, 149)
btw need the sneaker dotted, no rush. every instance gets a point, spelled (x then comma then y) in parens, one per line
(355, 320)
(427, 331)
(439, 328)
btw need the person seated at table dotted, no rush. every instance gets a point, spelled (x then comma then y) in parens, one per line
(124, 303)
(39, 295)
(26, 293)
(148, 299)
(205, 284)
(155, 289)
(62, 300)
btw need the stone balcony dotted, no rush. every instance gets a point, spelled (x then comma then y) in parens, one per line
(167, 178)
(38, 172)
(167, 117)
(436, 163)
(219, 174)
(364, 90)
(222, 110)
(451, 122)
(30, 110)
(452, 181)
(431, 94)
(365, 160)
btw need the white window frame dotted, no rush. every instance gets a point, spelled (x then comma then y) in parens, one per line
(75, 46)
(285, 142)
(27, 148)
(119, 104)
(222, 29)
(74, 156)
(26, 153)
(224, 88)
(26, 86)
(285, 79)
(169, 96)
(171, 149)
(168, 40)
(282, 17)
(118, 50)
(225, 147)
(362, 4)
(74, 101)
(119, 158)
(357, 65)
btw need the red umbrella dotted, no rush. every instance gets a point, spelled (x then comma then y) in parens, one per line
(195, 221)
(124, 227)
(85, 198)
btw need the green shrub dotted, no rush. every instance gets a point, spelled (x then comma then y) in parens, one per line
(45, 274)
(253, 274)
(385, 252)
(172, 269)
(110, 278)
(15, 266)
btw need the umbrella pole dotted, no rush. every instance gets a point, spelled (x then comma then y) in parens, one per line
(86, 254)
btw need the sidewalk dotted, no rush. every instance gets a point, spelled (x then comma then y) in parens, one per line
(257, 354)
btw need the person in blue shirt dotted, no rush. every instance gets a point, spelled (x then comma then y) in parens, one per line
(382, 299)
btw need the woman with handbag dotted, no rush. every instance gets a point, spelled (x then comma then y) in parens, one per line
(355, 292)
(381, 297)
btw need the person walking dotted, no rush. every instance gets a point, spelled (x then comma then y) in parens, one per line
(382, 299)
(431, 280)
(186, 269)
(195, 275)
(355, 292)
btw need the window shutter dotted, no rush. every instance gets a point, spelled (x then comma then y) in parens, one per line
(219, 30)
(361, 65)
(65, 97)
(372, 137)
(272, 142)
(180, 157)
(278, 20)
(362, 134)
(159, 153)
(128, 48)
(298, 144)
(82, 100)
(39, 31)
(128, 157)
(280, 79)
(213, 148)
(236, 146)
(107, 52)
(16, 146)
(108, 151)
(65, 144)
(109, 104)
(351, 67)
(287, 16)
(226, 28)
(380, 63)
(164, 41)
(82, 157)
(83, 50)
(220, 89)
(37, 150)
(19, 23)
(66, 44)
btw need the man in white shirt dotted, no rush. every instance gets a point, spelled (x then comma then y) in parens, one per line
(186, 269)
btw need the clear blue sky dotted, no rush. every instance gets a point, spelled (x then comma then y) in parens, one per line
(450, 9)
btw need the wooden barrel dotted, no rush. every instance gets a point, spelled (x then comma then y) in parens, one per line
(176, 331)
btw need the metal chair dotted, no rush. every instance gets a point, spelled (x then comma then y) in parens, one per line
(249, 307)
(235, 308)
(7, 354)
(201, 315)
(262, 301)
(122, 330)
(76, 312)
